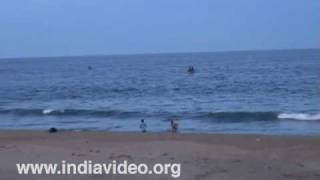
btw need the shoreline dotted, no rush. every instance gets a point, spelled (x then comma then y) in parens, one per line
(202, 156)
(289, 135)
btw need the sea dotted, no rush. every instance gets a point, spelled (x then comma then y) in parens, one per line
(274, 92)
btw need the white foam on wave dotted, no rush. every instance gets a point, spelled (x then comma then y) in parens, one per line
(47, 111)
(300, 116)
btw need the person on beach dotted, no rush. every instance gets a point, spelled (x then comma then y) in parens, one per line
(174, 126)
(143, 126)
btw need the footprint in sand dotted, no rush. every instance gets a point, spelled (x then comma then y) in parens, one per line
(121, 156)
(165, 154)
(79, 154)
(211, 172)
(296, 175)
(316, 174)
(300, 165)
(3, 147)
(236, 161)
(95, 151)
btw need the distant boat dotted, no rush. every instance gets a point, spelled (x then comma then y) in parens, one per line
(191, 70)
(89, 68)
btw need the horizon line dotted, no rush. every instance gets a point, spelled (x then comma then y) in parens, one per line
(156, 53)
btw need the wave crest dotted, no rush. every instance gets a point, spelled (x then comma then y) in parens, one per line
(300, 116)
(214, 116)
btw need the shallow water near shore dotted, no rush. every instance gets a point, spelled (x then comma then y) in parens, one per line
(264, 92)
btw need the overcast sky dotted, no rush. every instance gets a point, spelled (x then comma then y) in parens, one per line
(81, 27)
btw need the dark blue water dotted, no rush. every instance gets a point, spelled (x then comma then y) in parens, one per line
(266, 92)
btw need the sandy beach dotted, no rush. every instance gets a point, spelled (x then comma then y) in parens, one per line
(202, 156)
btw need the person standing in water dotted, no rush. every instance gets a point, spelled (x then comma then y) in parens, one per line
(174, 126)
(143, 126)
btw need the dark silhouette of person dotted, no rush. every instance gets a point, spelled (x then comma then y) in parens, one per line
(143, 126)
(174, 126)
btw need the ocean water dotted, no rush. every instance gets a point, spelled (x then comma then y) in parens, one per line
(264, 92)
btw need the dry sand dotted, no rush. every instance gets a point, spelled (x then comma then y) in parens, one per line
(202, 156)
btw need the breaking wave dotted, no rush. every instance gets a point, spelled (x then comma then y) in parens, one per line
(300, 116)
(216, 116)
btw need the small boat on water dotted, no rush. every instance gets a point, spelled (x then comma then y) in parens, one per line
(191, 70)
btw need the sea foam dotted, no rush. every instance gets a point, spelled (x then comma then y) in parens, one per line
(47, 111)
(299, 116)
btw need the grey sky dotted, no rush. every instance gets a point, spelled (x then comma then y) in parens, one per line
(80, 27)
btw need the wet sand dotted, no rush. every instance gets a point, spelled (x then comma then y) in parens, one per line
(202, 156)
